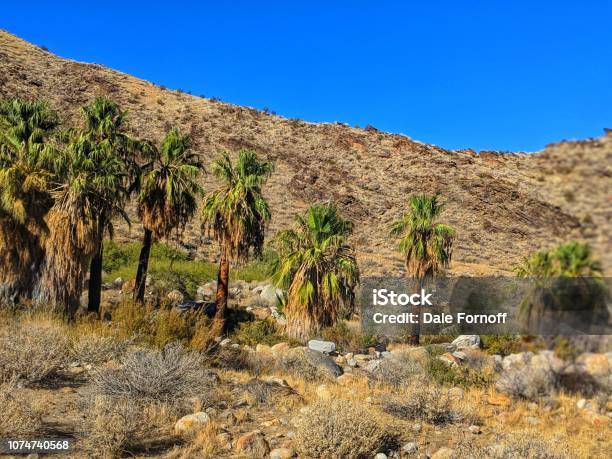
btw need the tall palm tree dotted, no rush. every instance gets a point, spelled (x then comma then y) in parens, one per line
(25, 129)
(168, 193)
(425, 244)
(90, 178)
(105, 126)
(236, 215)
(318, 268)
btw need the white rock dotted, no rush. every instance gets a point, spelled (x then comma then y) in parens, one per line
(322, 346)
(191, 422)
(118, 283)
(410, 448)
(465, 342)
(270, 294)
(380, 456)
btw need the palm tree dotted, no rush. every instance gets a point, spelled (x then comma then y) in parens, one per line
(236, 215)
(568, 288)
(25, 128)
(91, 177)
(105, 126)
(318, 269)
(425, 244)
(167, 198)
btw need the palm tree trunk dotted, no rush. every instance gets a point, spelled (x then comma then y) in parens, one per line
(95, 271)
(143, 265)
(222, 293)
(415, 338)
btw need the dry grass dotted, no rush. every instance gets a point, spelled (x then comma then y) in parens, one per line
(523, 445)
(339, 429)
(32, 352)
(17, 416)
(95, 349)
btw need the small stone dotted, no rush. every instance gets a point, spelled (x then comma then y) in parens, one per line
(325, 347)
(444, 453)
(282, 453)
(225, 342)
(191, 422)
(380, 456)
(464, 342)
(474, 429)
(410, 448)
(581, 403)
(118, 283)
(417, 427)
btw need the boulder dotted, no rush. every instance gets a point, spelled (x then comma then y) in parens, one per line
(410, 447)
(282, 453)
(270, 294)
(322, 346)
(175, 297)
(464, 342)
(118, 283)
(191, 422)
(278, 348)
(252, 444)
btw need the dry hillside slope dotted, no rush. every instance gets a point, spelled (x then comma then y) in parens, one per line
(503, 205)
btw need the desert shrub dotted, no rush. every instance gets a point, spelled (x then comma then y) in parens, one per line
(527, 382)
(235, 358)
(157, 327)
(464, 375)
(264, 392)
(258, 332)
(339, 429)
(32, 352)
(501, 344)
(17, 416)
(347, 339)
(395, 371)
(168, 375)
(309, 365)
(524, 445)
(119, 425)
(96, 349)
(424, 403)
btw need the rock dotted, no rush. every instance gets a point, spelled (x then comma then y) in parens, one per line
(464, 342)
(225, 342)
(323, 392)
(444, 453)
(380, 456)
(261, 313)
(598, 367)
(175, 297)
(270, 294)
(474, 429)
(345, 379)
(417, 427)
(282, 453)
(449, 359)
(460, 355)
(516, 361)
(340, 360)
(456, 393)
(204, 293)
(191, 422)
(252, 444)
(325, 347)
(580, 404)
(263, 348)
(410, 447)
(258, 289)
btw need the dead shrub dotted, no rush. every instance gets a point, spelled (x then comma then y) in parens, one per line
(397, 371)
(266, 392)
(524, 445)
(424, 403)
(17, 416)
(120, 425)
(307, 364)
(339, 429)
(168, 375)
(32, 352)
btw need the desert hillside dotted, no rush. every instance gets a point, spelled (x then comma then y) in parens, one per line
(503, 205)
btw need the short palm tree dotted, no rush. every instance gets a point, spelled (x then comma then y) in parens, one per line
(236, 215)
(91, 176)
(25, 129)
(318, 268)
(571, 259)
(425, 244)
(168, 195)
(105, 126)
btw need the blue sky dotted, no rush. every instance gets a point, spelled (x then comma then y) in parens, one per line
(505, 75)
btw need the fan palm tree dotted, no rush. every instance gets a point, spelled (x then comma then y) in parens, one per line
(425, 244)
(25, 128)
(91, 177)
(557, 297)
(168, 193)
(318, 269)
(236, 215)
(105, 126)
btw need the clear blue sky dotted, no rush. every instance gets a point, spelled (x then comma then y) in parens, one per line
(507, 75)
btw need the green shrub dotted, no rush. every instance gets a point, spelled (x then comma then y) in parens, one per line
(501, 344)
(347, 338)
(258, 332)
(446, 375)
